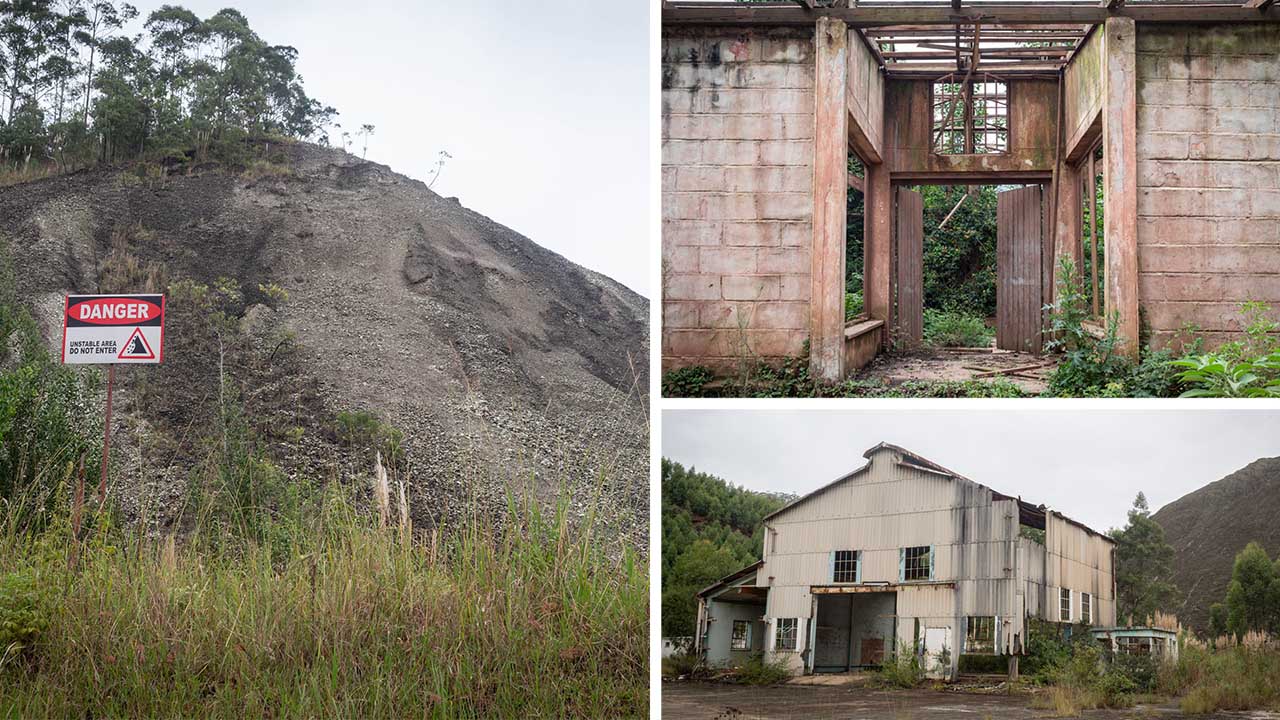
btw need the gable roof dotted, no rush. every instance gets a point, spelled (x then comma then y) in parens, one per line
(1028, 514)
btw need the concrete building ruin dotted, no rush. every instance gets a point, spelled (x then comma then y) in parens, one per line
(903, 554)
(1172, 108)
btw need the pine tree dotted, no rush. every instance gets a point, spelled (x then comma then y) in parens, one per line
(1144, 563)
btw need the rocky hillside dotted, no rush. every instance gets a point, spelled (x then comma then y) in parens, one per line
(337, 286)
(1209, 526)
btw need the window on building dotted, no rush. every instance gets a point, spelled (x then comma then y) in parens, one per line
(917, 563)
(1086, 608)
(980, 636)
(785, 637)
(1134, 645)
(970, 117)
(844, 567)
(741, 637)
(1064, 605)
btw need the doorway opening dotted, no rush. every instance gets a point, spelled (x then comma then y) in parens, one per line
(970, 277)
(854, 631)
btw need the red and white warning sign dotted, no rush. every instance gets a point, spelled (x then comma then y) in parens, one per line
(113, 329)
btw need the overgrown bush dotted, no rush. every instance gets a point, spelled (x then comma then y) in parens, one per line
(954, 329)
(1089, 366)
(759, 671)
(902, 669)
(1240, 677)
(852, 305)
(686, 381)
(1243, 368)
(25, 612)
(45, 416)
(687, 665)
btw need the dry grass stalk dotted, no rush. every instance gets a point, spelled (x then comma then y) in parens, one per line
(381, 491)
(406, 525)
(77, 516)
(1166, 621)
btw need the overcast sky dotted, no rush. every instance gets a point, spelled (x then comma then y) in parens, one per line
(543, 106)
(1087, 465)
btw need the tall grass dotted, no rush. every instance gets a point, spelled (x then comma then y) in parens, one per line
(1232, 675)
(350, 621)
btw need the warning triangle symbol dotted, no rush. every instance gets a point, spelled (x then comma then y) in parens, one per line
(136, 348)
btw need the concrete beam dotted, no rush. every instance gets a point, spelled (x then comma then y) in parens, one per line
(830, 189)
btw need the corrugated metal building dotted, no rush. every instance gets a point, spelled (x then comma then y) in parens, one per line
(905, 554)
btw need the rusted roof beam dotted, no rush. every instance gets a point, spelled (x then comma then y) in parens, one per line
(721, 13)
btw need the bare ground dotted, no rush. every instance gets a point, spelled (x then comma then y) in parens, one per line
(894, 368)
(713, 701)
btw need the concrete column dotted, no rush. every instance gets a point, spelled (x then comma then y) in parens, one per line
(1120, 157)
(830, 189)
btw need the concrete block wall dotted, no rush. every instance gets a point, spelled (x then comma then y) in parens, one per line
(1208, 139)
(737, 195)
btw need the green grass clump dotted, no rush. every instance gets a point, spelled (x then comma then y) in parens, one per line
(952, 329)
(759, 671)
(533, 620)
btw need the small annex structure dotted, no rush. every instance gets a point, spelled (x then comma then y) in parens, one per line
(904, 555)
(1168, 109)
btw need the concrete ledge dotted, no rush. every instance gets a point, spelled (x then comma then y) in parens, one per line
(862, 340)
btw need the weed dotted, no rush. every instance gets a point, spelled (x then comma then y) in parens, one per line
(853, 305)
(902, 669)
(953, 329)
(759, 671)
(686, 381)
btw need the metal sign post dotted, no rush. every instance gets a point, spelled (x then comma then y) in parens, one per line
(112, 330)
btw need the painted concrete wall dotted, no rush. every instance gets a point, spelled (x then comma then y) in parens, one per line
(737, 194)
(909, 134)
(866, 94)
(720, 632)
(1208, 175)
(1082, 94)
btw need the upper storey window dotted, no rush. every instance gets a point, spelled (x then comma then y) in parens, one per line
(970, 115)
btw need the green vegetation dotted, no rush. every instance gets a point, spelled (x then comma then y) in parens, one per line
(1144, 564)
(77, 90)
(952, 329)
(276, 593)
(792, 379)
(349, 620)
(1249, 367)
(710, 529)
(902, 669)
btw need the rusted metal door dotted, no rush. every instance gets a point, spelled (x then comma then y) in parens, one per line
(909, 229)
(1019, 280)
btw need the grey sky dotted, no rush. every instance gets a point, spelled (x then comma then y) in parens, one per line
(1088, 465)
(544, 106)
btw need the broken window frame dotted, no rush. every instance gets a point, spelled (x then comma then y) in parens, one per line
(785, 634)
(743, 641)
(963, 135)
(917, 563)
(845, 566)
(980, 635)
(1086, 608)
(1064, 605)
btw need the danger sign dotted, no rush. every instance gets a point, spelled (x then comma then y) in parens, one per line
(113, 329)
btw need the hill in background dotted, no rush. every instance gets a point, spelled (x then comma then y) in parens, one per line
(710, 529)
(1208, 527)
(341, 307)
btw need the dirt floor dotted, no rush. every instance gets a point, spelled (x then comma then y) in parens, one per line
(713, 701)
(960, 364)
